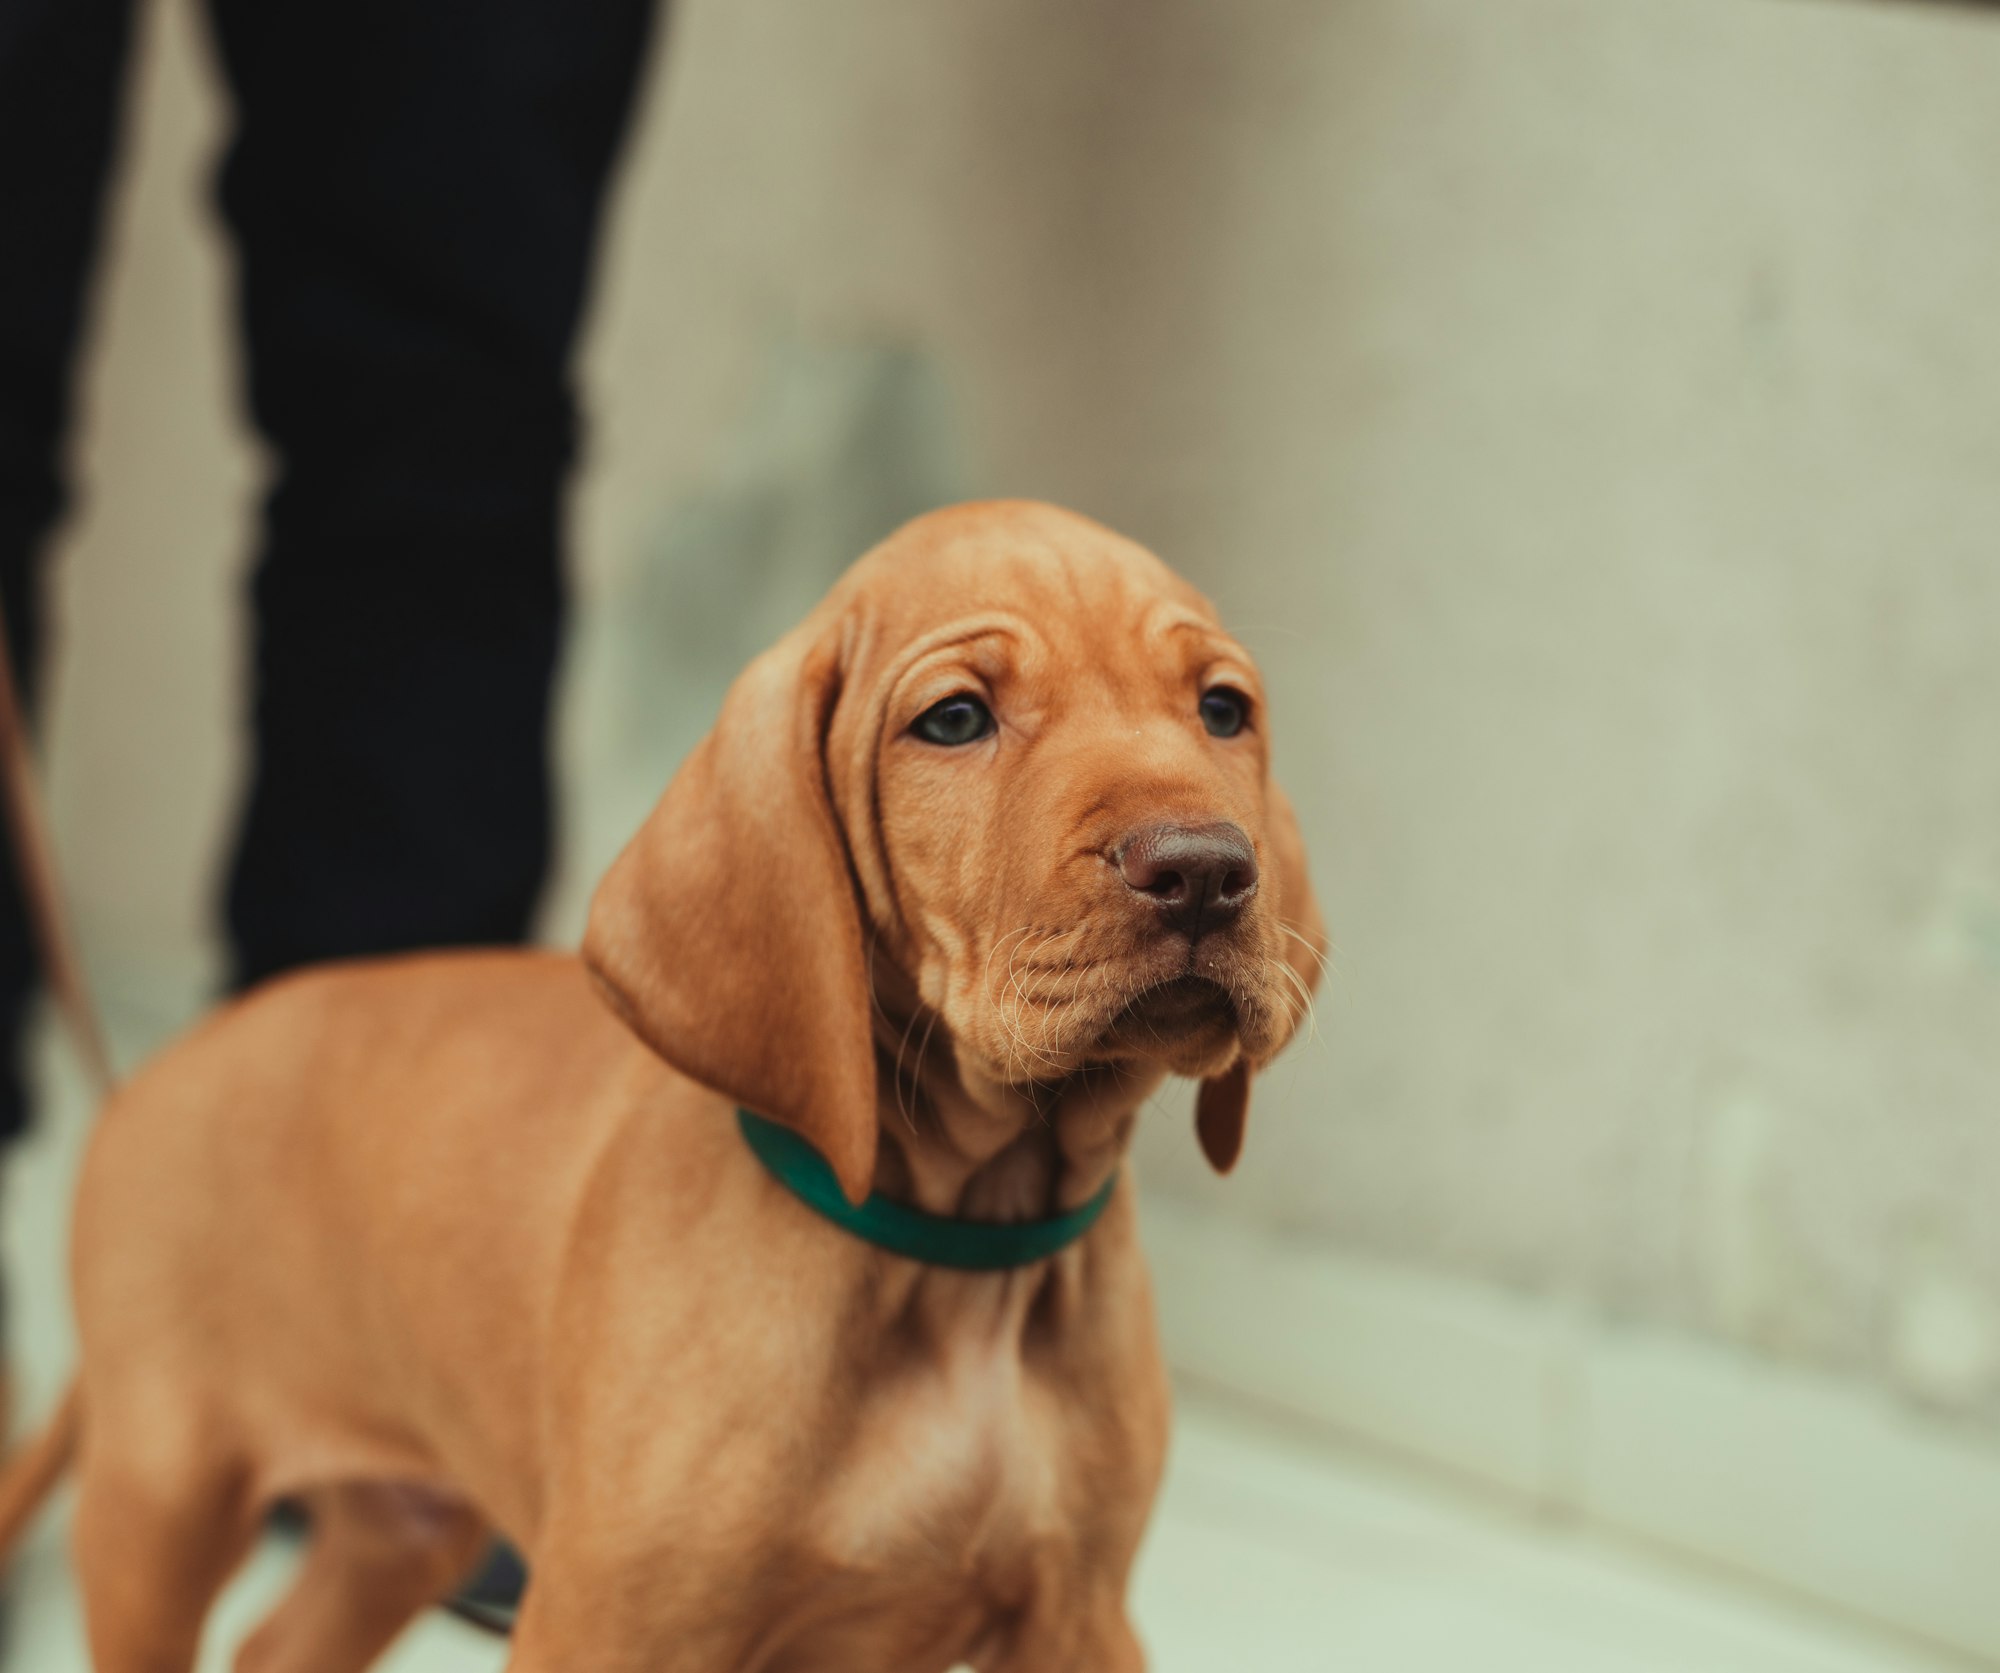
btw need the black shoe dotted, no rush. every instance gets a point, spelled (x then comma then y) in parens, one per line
(492, 1597)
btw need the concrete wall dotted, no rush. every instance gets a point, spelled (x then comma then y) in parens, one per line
(1586, 408)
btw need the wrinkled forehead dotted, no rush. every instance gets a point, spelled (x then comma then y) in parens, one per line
(1048, 587)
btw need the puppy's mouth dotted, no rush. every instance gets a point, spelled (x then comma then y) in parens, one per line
(1183, 1023)
(1184, 1004)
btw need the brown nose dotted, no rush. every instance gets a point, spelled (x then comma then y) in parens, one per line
(1198, 877)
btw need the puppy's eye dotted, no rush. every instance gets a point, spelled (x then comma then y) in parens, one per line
(957, 720)
(1224, 711)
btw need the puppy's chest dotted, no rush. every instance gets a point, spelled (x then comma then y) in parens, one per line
(958, 1476)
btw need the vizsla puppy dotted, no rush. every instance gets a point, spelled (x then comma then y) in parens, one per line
(443, 1244)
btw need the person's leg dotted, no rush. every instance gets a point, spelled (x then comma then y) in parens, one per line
(61, 67)
(415, 189)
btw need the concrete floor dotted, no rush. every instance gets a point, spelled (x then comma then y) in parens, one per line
(1271, 1553)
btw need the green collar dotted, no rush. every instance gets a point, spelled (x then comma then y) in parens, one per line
(969, 1245)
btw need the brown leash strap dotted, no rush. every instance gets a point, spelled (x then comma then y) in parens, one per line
(41, 884)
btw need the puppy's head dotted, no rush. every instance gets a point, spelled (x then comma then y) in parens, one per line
(1011, 766)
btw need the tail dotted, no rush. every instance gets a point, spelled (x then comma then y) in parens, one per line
(30, 1474)
(27, 822)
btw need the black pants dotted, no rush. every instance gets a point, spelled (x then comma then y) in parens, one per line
(414, 187)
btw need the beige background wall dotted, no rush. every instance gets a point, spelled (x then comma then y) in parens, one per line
(1589, 409)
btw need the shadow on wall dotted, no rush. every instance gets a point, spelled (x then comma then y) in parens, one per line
(843, 442)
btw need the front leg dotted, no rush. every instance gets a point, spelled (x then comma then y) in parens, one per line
(1095, 1639)
(574, 1622)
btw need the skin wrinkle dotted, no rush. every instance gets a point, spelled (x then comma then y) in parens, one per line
(880, 721)
(876, 876)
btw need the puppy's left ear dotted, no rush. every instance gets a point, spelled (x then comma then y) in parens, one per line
(728, 934)
(1222, 1107)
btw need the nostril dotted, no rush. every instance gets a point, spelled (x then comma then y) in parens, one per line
(1145, 867)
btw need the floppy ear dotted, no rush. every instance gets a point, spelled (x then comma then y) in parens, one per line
(1220, 1109)
(728, 933)
(1223, 1104)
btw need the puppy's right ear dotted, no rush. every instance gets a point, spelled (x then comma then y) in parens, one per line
(728, 933)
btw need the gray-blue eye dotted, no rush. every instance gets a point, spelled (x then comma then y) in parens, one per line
(957, 720)
(1223, 711)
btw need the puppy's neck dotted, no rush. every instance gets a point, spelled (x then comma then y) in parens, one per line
(957, 1142)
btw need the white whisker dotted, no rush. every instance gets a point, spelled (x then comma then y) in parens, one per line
(1306, 1007)
(1323, 959)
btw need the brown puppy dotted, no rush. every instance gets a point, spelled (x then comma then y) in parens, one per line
(972, 859)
